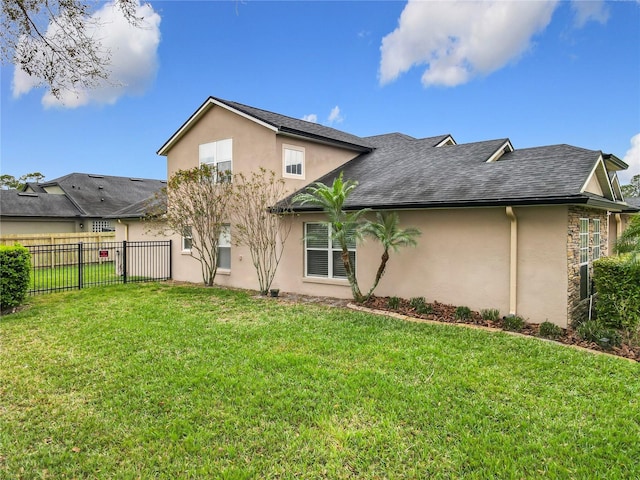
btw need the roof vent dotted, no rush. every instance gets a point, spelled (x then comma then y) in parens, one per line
(27, 194)
(95, 176)
(136, 179)
(100, 187)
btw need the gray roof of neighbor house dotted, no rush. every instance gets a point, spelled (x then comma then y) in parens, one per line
(79, 195)
(21, 204)
(410, 173)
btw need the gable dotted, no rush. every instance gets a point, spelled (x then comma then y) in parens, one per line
(597, 182)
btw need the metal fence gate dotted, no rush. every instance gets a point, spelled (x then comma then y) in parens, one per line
(73, 266)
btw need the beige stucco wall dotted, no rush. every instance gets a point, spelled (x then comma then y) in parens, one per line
(462, 258)
(254, 146)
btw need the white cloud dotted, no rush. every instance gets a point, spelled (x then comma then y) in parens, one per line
(585, 11)
(334, 116)
(312, 117)
(631, 158)
(133, 59)
(459, 40)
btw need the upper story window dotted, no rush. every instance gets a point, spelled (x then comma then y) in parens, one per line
(595, 253)
(292, 161)
(219, 155)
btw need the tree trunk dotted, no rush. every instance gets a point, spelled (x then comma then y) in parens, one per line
(383, 265)
(353, 281)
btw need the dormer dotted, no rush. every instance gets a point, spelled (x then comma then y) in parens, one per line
(598, 182)
(506, 147)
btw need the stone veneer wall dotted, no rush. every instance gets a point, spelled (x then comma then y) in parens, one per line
(578, 308)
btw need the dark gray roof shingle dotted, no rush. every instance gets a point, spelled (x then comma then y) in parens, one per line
(403, 173)
(18, 204)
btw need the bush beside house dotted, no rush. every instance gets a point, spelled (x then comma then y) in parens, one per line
(617, 282)
(15, 266)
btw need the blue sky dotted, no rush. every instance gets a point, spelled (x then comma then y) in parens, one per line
(539, 73)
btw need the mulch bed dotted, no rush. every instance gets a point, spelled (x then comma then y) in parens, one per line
(441, 312)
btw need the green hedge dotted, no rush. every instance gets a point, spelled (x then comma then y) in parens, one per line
(617, 282)
(15, 266)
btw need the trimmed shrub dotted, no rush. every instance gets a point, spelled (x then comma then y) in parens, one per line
(595, 331)
(462, 313)
(513, 323)
(15, 266)
(420, 305)
(492, 314)
(617, 281)
(550, 330)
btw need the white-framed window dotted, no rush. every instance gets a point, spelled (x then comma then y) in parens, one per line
(292, 161)
(224, 248)
(595, 252)
(187, 239)
(584, 241)
(323, 257)
(102, 226)
(218, 154)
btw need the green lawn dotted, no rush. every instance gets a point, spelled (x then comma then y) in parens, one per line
(161, 381)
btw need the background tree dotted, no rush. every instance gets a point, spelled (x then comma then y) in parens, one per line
(10, 182)
(257, 225)
(199, 204)
(344, 225)
(51, 40)
(633, 188)
(629, 241)
(386, 229)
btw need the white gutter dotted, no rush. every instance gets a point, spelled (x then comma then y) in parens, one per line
(513, 262)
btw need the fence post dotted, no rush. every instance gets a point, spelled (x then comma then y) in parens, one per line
(80, 265)
(124, 261)
(170, 259)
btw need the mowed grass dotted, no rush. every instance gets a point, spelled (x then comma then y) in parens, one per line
(164, 381)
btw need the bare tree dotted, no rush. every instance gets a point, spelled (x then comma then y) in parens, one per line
(52, 40)
(198, 208)
(260, 222)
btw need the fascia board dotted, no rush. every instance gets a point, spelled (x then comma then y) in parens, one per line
(445, 140)
(204, 108)
(602, 177)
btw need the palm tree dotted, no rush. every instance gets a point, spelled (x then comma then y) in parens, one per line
(386, 230)
(344, 225)
(629, 241)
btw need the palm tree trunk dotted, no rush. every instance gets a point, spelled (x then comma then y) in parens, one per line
(383, 265)
(353, 281)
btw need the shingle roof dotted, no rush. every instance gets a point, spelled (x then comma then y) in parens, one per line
(85, 195)
(102, 195)
(401, 174)
(297, 126)
(18, 204)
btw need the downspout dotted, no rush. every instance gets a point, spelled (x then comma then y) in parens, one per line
(126, 229)
(513, 262)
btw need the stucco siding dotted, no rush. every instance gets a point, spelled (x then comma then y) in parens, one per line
(8, 227)
(542, 264)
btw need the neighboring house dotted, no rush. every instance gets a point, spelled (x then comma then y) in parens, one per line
(512, 229)
(77, 202)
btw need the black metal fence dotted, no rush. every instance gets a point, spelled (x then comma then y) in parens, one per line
(73, 266)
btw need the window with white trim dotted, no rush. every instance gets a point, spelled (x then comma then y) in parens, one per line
(224, 248)
(187, 239)
(595, 252)
(323, 256)
(102, 226)
(219, 155)
(584, 241)
(292, 161)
